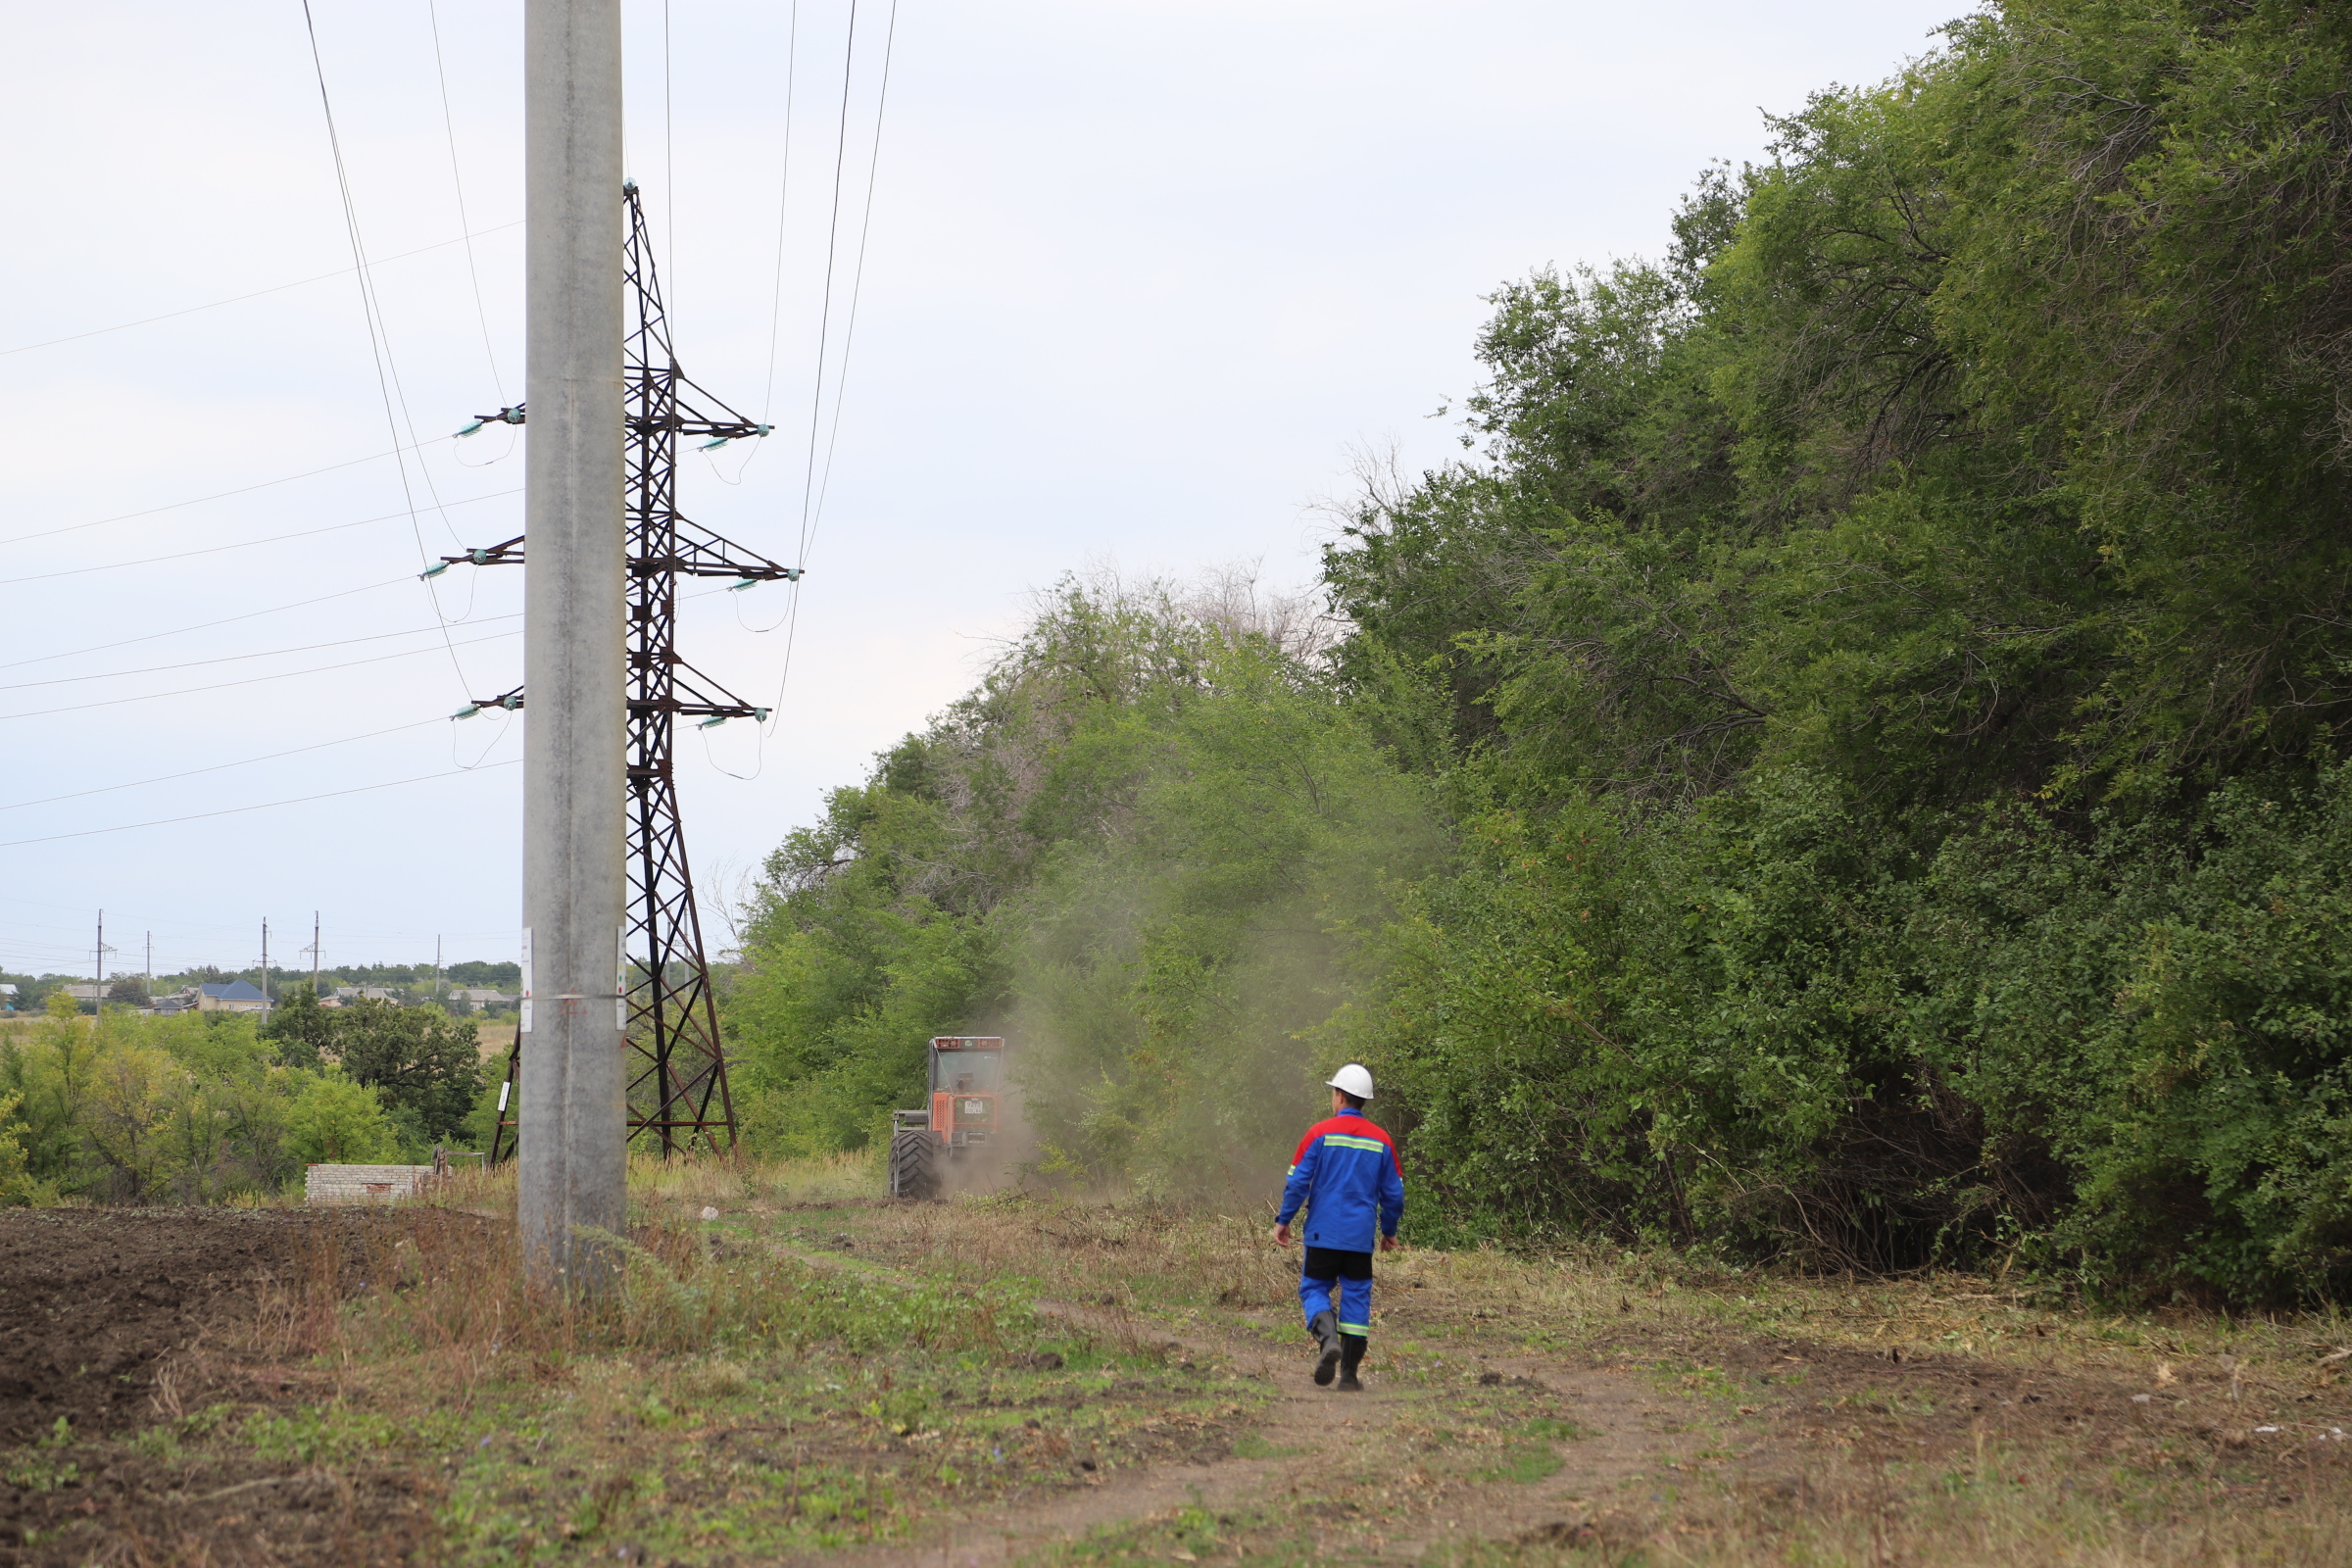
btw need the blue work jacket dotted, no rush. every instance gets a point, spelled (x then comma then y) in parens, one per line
(1346, 1175)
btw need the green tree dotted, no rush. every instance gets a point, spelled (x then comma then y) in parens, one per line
(16, 1186)
(419, 1059)
(334, 1120)
(302, 1031)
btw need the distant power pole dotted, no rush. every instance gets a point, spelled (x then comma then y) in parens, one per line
(436, 968)
(98, 1004)
(313, 950)
(264, 969)
(573, 1179)
(151, 968)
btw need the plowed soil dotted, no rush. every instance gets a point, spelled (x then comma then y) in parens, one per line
(115, 1320)
(94, 1303)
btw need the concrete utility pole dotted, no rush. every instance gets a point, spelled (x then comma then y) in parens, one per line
(574, 1117)
(98, 1007)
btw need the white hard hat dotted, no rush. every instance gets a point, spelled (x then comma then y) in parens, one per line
(1353, 1079)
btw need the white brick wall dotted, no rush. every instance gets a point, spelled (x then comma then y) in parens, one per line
(364, 1183)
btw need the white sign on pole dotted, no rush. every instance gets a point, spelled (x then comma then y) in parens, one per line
(525, 1026)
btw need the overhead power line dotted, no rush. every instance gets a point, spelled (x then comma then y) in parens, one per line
(250, 680)
(457, 179)
(265, 806)
(246, 544)
(775, 307)
(274, 288)
(825, 319)
(849, 331)
(217, 767)
(208, 625)
(224, 495)
(811, 516)
(267, 652)
(379, 336)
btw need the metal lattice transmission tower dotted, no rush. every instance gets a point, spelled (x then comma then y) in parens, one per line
(677, 1088)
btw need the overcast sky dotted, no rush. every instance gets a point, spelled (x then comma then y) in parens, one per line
(1139, 276)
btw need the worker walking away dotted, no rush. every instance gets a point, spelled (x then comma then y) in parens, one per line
(1348, 1177)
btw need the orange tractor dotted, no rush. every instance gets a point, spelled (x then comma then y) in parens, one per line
(966, 1073)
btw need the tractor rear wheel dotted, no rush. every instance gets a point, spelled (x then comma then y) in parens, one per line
(912, 1173)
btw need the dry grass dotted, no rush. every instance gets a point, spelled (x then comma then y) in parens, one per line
(1200, 1259)
(1932, 1420)
(496, 1037)
(865, 1351)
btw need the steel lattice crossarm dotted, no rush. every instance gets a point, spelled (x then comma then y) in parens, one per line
(704, 556)
(714, 703)
(687, 423)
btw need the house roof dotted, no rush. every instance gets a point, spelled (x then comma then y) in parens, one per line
(233, 991)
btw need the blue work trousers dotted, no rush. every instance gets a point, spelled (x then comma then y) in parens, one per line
(1343, 1288)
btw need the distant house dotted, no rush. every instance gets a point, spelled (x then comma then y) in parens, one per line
(469, 997)
(184, 999)
(237, 996)
(344, 996)
(83, 993)
(8, 999)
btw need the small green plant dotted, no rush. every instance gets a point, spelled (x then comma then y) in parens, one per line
(156, 1443)
(38, 1472)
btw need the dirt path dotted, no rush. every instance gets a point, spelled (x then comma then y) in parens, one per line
(1313, 1443)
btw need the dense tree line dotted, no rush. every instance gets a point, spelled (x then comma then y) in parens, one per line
(211, 1107)
(1845, 768)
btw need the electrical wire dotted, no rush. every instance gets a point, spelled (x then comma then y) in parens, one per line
(245, 490)
(457, 179)
(775, 309)
(250, 680)
(841, 149)
(849, 331)
(207, 625)
(274, 288)
(812, 519)
(816, 397)
(217, 767)
(230, 658)
(265, 806)
(378, 336)
(669, 176)
(506, 723)
(248, 544)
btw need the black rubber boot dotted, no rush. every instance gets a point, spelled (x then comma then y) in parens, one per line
(1351, 1357)
(1326, 1329)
